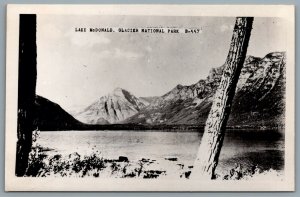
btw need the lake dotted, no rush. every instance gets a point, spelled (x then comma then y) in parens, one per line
(264, 148)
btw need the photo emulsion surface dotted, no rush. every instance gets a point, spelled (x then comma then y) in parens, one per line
(152, 98)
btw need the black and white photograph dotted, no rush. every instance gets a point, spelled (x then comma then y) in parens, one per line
(150, 98)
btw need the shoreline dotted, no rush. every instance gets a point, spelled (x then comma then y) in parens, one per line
(94, 165)
(162, 127)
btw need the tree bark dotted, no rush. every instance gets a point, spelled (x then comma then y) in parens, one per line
(212, 140)
(26, 90)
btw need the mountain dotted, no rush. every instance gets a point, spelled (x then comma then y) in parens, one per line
(112, 108)
(259, 99)
(50, 116)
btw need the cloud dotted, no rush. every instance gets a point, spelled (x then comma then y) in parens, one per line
(119, 54)
(48, 32)
(87, 39)
(148, 49)
(224, 28)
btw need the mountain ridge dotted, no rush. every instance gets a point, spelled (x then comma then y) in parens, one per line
(261, 79)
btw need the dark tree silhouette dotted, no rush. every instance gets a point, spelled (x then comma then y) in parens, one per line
(26, 90)
(212, 140)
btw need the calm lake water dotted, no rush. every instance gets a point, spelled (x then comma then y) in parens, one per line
(262, 148)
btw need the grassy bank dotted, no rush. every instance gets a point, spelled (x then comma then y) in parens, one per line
(94, 165)
(46, 162)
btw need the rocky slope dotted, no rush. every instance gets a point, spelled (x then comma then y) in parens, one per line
(112, 108)
(259, 99)
(148, 100)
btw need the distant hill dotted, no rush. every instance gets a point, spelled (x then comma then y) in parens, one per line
(259, 99)
(50, 116)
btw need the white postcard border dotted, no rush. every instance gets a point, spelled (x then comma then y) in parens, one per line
(13, 183)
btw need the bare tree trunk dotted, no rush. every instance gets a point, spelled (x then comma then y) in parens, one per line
(212, 140)
(26, 90)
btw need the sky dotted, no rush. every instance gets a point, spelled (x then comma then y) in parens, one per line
(76, 68)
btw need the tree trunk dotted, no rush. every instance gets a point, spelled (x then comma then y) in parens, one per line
(26, 90)
(212, 140)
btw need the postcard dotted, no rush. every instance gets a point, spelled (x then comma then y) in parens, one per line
(150, 98)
